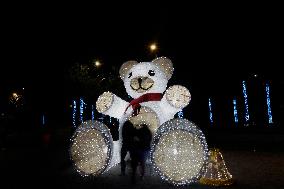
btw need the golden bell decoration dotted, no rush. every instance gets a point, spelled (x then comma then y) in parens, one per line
(216, 172)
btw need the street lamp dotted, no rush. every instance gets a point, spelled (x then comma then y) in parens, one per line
(153, 48)
(98, 63)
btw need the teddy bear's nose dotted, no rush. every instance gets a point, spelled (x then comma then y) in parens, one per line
(139, 80)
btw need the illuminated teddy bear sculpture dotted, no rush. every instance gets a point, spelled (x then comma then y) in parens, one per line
(179, 149)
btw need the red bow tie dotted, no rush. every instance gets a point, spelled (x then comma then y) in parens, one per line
(135, 103)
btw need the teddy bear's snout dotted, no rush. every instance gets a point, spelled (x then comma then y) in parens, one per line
(141, 84)
(140, 80)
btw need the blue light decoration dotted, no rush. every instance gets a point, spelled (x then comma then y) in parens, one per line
(93, 113)
(210, 112)
(180, 114)
(74, 112)
(82, 104)
(246, 102)
(235, 111)
(101, 117)
(269, 113)
(43, 120)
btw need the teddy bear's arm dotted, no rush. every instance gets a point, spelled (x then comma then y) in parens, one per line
(112, 105)
(175, 99)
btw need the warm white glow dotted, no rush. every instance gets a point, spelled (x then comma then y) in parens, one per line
(15, 95)
(98, 63)
(153, 47)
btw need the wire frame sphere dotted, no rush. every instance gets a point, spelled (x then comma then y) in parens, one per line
(91, 148)
(179, 152)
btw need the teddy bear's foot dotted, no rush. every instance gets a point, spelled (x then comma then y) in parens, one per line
(91, 148)
(179, 151)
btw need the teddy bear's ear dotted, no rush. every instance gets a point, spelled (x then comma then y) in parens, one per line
(165, 65)
(125, 67)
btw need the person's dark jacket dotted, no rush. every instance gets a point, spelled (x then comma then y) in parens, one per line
(127, 133)
(141, 138)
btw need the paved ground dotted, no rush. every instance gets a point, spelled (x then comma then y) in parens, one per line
(38, 167)
(26, 169)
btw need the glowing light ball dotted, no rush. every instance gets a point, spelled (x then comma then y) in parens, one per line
(179, 152)
(91, 148)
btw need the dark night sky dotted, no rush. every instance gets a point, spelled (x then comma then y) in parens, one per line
(202, 37)
(220, 43)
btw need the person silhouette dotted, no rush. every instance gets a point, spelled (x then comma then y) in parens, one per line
(139, 150)
(127, 132)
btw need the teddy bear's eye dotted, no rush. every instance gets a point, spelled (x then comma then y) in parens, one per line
(151, 73)
(130, 74)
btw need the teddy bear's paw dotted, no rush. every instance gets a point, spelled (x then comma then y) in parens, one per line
(178, 96)
(104, 102)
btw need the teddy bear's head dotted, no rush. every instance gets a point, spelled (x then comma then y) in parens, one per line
(146, 77)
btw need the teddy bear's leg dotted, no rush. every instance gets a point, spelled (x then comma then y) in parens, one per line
(179, 151)
(91, 148)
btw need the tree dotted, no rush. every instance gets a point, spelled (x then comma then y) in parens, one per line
(89, 80)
